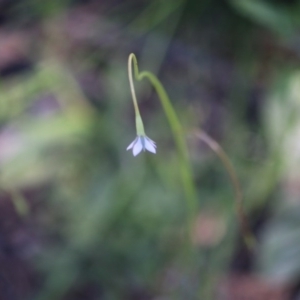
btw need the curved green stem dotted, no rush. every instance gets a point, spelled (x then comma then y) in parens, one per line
(138, 120)
(185, 167)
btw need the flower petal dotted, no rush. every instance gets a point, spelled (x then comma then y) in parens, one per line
(137, 148)
(150, 146)
(151, 142)
(132, 144)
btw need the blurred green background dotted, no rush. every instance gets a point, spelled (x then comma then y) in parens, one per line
(80, 217)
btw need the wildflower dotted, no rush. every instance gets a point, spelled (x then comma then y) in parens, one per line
(142, 142)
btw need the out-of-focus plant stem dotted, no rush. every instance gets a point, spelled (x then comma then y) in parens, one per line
(248, 236)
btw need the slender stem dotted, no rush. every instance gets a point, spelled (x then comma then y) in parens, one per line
(248, 236)
(185, 168)
(138, 120)
(136, 108)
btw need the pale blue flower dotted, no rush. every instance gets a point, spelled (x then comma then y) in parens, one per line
(140, 143)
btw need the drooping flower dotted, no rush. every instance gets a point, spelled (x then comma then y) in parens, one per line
(142, 142)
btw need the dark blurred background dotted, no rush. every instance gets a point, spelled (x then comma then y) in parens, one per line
(80, 217)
